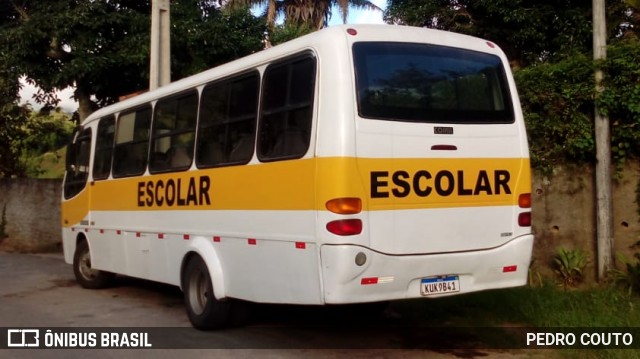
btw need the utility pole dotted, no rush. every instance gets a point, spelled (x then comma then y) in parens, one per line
(160, 63)
(604, 221)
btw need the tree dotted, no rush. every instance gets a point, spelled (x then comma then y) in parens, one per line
(12, 118)
(634, 17)
(57, 44)
(204, 36)
(528, 31)
(315, 14)
(102, 47)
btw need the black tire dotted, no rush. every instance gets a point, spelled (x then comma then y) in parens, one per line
(204, 310)
(85, 275)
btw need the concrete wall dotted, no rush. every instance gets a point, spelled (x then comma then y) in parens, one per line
(31, 215)
(563, 214)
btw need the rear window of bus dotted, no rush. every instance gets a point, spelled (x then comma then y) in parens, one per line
(430, 83)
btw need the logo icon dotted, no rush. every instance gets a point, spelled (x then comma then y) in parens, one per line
(23, 338)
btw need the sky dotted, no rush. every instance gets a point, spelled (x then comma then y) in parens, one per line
(360, 16)
(69, 105)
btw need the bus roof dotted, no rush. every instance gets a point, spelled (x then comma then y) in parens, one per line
(331, 36)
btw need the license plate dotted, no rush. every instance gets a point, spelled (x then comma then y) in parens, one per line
(440, 285)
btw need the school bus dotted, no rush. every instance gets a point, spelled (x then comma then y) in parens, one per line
(357, 164)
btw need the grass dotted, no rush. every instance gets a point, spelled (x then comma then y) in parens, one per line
(547, 306)
(543, 307)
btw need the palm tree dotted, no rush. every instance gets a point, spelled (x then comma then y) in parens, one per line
(315, 14)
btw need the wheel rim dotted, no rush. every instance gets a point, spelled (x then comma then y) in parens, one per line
(85, 266)
(198, 292)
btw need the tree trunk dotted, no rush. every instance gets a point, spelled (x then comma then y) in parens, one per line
(85, 106)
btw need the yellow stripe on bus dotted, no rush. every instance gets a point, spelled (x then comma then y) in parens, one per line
(289, 185)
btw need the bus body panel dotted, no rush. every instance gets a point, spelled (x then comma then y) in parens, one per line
(385, 277)
(439, 198)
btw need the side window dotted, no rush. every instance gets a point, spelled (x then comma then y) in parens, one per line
(77, 163)
(228, 112)
(173, 134)
(104, 148)
(287, 109)
(132, 142)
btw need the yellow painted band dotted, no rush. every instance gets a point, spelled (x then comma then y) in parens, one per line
(309, 183)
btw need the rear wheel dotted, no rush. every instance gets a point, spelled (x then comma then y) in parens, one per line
(204, 310)
(87, 276)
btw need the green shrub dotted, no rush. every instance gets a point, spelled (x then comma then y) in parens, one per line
(629, 278)
(558, 104)
(569, 266)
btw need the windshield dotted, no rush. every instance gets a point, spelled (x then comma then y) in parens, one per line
(430, 83)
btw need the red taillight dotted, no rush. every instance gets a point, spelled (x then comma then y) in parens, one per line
(345, 227)
(524, 219)
(352, 32)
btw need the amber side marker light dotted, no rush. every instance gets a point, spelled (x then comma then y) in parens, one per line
(524, 200)
(347, 205)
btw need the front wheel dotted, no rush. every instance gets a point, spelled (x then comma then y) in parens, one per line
(204, 310)
(87, 276)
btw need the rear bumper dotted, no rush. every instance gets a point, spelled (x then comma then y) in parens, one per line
(391, 277)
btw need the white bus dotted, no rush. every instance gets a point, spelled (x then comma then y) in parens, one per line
(356, 164)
